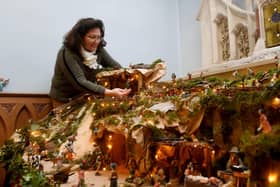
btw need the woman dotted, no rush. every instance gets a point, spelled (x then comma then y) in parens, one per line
(79, 60)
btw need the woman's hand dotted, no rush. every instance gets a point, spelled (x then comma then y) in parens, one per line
(117, 92)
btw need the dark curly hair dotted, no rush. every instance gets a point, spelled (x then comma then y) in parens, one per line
(74, 38)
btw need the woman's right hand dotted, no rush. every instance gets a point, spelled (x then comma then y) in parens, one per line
(117, 92)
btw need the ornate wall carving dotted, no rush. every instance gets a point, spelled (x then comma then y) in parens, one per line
(242, 41)
(220, 18)
(17, 109)
(223, 37)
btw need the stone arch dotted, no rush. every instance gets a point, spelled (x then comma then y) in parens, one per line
(222, 37)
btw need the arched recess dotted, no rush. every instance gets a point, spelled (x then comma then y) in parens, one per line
(23, 116)
(3, 130)
(17, 109)
(241, 40)
(222, 37)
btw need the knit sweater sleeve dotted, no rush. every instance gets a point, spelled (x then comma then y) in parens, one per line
(75, 71)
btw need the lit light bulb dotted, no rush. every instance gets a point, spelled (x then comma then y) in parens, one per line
(272, 177)
(109, 146)
(36, 133)
(276, 102)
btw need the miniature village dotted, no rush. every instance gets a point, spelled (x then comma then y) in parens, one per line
(183, 132)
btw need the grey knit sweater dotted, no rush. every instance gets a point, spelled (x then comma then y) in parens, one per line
(72, 78)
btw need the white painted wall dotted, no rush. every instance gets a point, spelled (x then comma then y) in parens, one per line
(189, 41)
(135, 30)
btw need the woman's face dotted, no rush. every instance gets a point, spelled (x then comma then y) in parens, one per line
(92, 39)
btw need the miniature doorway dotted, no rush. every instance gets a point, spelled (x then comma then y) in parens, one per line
(118, 148)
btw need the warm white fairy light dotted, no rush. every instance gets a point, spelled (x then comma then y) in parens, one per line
(109, 146)
(150, 122)
(276, 102)
(36, 133)
(272, 177)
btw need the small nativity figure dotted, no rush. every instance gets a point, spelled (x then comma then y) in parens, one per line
(189, 170)
(35, 161)
(81, 178)
(69, 147)
(132, 166)
(173, 77)
(234, 161)
(159, 178)
(98, 163)
(114, 176)
(265, 126)
(277, 61)
(3, 83)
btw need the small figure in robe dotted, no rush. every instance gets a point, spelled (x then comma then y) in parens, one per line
(265, 126)
(114, 176)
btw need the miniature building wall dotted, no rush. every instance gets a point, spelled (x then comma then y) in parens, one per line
(17, 109)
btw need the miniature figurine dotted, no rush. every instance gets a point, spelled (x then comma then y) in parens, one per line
(277, 61)
(189, 169)
(81, 178)
(234, 159)
(251, 73)
(69, 153)
(265, 126)
(3, 83)
(159, 178)
(194, 138)
(173, 77)
(35, 161)
(273, 79)
(189, 76)
(132, 166)
(114, 176)
(70, 142)
(98, 164)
